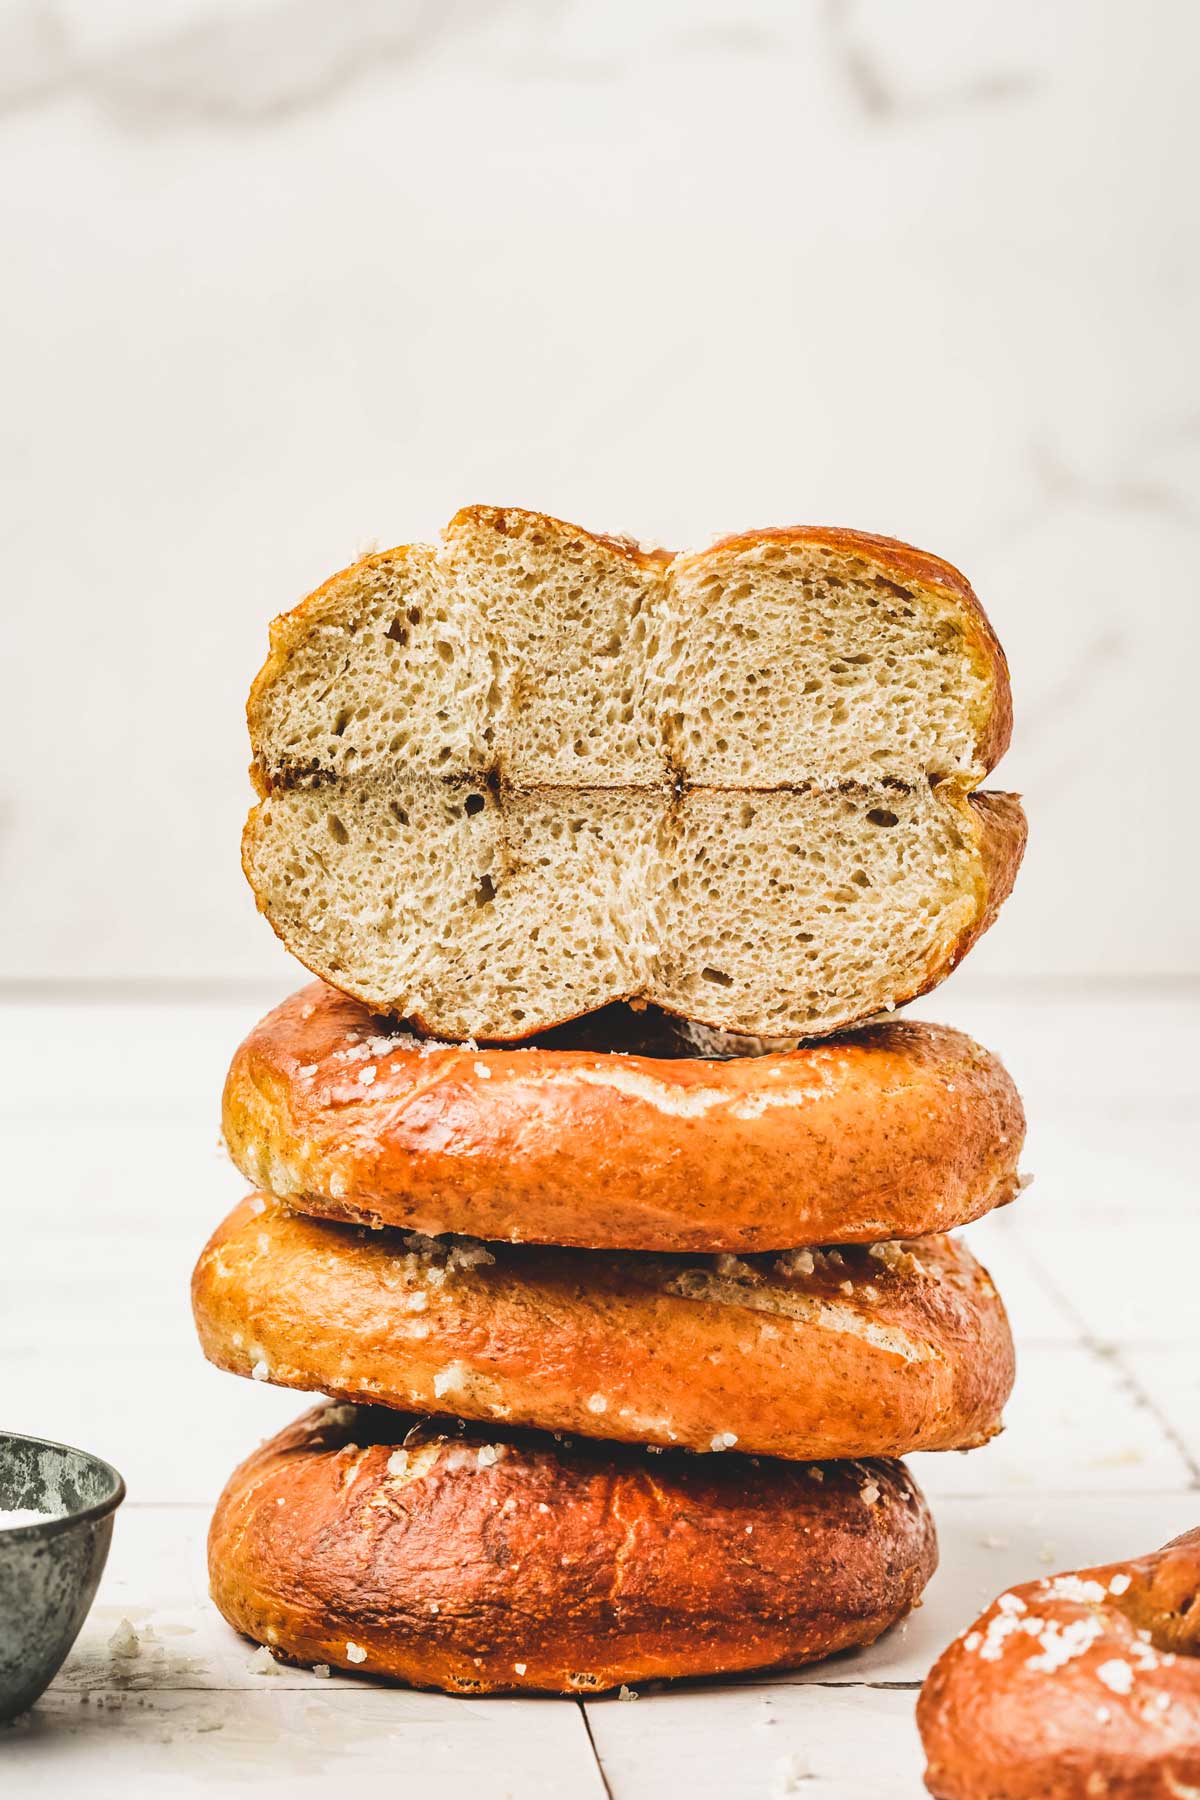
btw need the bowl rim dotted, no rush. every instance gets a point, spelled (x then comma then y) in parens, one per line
(54, 1523)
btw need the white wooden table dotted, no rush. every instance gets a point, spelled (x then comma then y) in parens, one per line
(114, 1176)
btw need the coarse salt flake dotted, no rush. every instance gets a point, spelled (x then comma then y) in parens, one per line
(1119, 1583)
(868, 1494)
(341, 1412)
(124, 1640)
(520, 1668)
(597, 1403)
(261, 1370)
(1116, 1674)
(1072, 1587)
(355, 1653)
(724, 1440)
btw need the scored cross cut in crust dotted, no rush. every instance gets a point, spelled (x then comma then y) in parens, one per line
(510, 779)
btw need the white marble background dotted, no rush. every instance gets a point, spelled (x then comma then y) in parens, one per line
(284, 280)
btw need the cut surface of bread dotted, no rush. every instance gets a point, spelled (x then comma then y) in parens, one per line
(507, 781)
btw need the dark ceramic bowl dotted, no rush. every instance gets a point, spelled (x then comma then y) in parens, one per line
(49, 1571)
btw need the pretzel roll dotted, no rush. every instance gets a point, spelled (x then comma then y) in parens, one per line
(623, 1132)
(854, 1352)
(1076, 1686)
(452, 1559)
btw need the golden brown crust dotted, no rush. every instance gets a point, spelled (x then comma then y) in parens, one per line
(1074, 1686)
(903, 1130)
(900, 563)
(1003, 834)
(854, 1352)
(480, 1564)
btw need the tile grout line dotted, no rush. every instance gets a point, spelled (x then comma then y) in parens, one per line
(64, 1690)
(596, 1757)
(1111, 1352)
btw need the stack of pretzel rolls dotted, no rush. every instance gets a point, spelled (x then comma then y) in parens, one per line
(597, 1190)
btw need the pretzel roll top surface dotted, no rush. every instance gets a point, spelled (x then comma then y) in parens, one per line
(461, 1560)
(1076, 1686)
(851, 1352)
(623, 1131)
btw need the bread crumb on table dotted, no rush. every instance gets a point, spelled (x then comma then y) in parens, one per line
(125, 1641)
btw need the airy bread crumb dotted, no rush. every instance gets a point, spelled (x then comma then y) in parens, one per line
(511, 779)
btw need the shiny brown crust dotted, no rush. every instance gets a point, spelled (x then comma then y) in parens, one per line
(854, 1352)
(1074, 1687)
(480, 1565)
(900, 1131)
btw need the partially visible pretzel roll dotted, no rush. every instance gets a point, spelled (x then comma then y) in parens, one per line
(627, 1135)
(854, 1352)
(1077, 1687)
(477, 1563)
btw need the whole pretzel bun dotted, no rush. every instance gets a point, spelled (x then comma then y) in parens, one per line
(1074, 1687)
(625, 1131)
(854, 1352)
(460, 1560)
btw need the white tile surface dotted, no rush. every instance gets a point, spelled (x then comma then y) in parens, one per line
(113, 1181)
